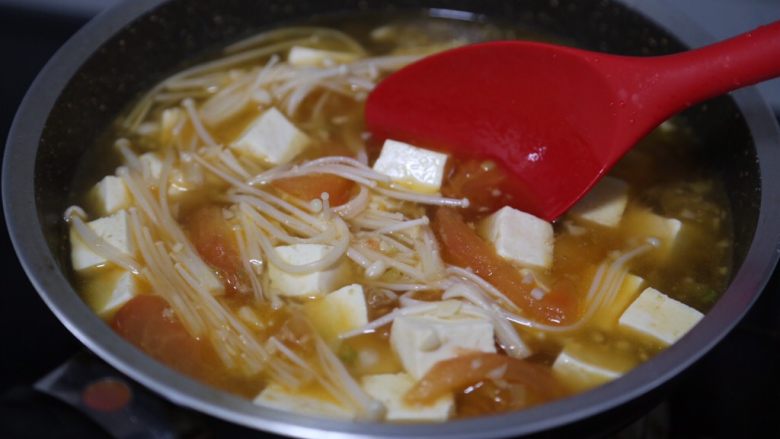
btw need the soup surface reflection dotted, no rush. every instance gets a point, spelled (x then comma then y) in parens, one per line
(240, 225)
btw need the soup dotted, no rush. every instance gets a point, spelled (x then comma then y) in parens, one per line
(240, 226)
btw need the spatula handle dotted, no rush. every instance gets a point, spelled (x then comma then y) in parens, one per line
(679, 81)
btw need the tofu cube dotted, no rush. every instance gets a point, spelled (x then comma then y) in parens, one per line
(202, 273)
(125, 288)
(519, 237)
(272, 138)
(110, 195)
(113, 229)
(421, 341)
(644, 224)
(606, 317)
(170, 119)
(151, 165)
(107, 292)
(604, 204)
(658, 317)
(314, 403)
(583, 366)
(338, 312)
(307, 284)
(390, 390)
(300, 56)
(179, 183)
(418, 169)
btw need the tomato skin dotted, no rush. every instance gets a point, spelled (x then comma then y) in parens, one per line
(148, 322)
(460, 372)
(463, 247)
(311, 187)
(214, 240)
(561, 303)
(482, 182)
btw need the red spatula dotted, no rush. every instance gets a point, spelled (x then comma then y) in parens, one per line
(556, 118)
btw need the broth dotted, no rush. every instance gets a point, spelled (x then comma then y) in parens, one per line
(183, 251)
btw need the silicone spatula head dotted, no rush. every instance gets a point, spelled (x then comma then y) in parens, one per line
(556, 118)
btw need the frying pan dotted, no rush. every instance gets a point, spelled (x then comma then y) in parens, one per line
(128, 48)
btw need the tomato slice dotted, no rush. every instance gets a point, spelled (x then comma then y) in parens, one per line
(482, 182)
(148, 322)
(311, 187)
(460, 372)
(462, 246)
(214, 240)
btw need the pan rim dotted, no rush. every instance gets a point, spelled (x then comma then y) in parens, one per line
(40, 266)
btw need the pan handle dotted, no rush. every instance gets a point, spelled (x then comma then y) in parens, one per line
(123, 408)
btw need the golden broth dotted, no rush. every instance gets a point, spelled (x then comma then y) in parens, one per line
(664, 173)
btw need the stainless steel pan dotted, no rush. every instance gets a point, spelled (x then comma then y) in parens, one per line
(128, 48)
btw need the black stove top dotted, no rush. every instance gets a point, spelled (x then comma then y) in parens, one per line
(734, 391)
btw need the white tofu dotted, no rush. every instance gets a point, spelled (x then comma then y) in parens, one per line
(277, 397)
(390, 390)
(604, 204)
(338, 312)
(658, 317)
(179, 184)
(113, 229)
(151, 165)
(584, 366)
(418, 169)
(110, 195)
(645, 224)
(607, 317)
(519, 237)
(300, 56)
(205, 276)
(108, 292)
(307, 284)
(421, 341)
(125, 288)
(170, 119)
(272, 138)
